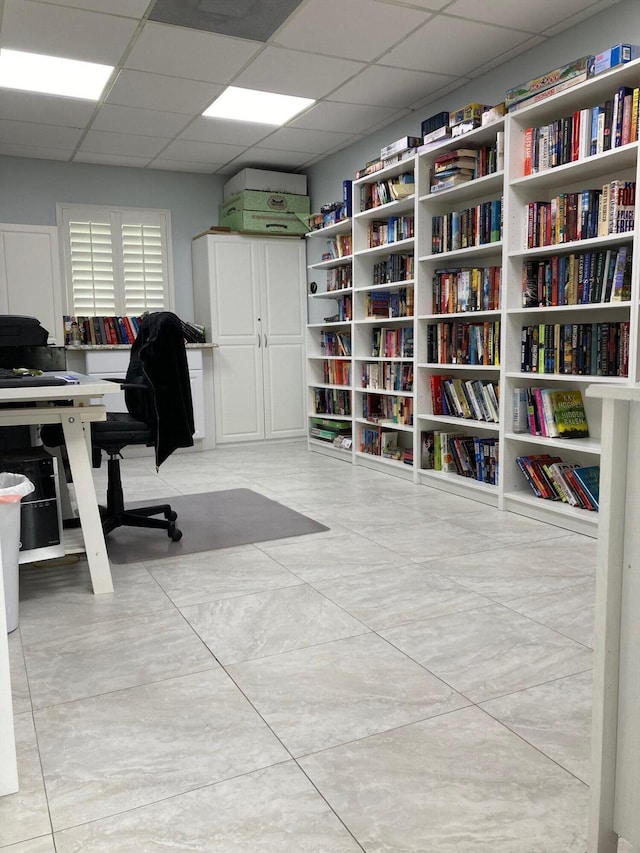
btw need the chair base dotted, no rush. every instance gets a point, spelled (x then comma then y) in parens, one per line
(115, 515)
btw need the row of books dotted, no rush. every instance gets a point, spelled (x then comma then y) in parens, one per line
(461, 229)
(344, 312)
(583, 349)
(382, 192)
(340, 246)
(376, 441)
(461, 165)
(581, 215)
(397, 267)
(382, 408)
(470, 456)
(335, 343)
(389, 303)
(551, 412)
(327, 429)
(552, 479)
(337, 212)
(98, 331)
(392, 342)
(336, 372)
(462, 289)
(583, 133)
(382, 232)
(464, 343)
(387, 375)
(340, 278)
(332, 401)
(471, 399)
(579, 278)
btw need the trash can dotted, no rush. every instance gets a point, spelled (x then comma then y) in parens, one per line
(13, 487)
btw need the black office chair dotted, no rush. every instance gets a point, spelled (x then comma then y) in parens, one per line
(160, 415)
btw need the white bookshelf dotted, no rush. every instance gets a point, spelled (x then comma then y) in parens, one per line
(509, 253)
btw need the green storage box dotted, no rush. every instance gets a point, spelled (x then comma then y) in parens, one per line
(265, 223)
(266, 201)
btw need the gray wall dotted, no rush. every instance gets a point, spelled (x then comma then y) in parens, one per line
(30, 189)
(619, 23)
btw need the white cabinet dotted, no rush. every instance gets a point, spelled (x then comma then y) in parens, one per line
(248, 293)
(30, 276)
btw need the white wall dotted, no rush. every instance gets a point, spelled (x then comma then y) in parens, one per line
(619, 23)
(30, 189)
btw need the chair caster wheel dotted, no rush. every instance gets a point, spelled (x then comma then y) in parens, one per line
(171, 515)
(174, 534)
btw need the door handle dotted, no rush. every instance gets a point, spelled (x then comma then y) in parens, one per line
(259, 344)
(265, 341)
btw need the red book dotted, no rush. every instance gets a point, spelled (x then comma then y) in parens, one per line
(130, 332)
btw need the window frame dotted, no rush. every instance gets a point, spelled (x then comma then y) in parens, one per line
(117, 216)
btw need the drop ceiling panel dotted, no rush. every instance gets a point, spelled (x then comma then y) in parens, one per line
(228, 132)
(240, 18)
(29, 106)
(477, 43)
(587, 12)
(146, 122)
(182, 166)
(39, 135)
(126, 8)
(311, 141)
(534, 41)
(291, 72)
(367, 30)
(127, 144)
(111, 159)
(390, 87)
(12, 150)
(59, 31)
(160, 92)
(201, 152)
(523, 16)
(351, 118)
(266, 158)
(188, 53)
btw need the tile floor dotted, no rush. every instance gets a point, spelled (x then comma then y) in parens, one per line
(415, 680)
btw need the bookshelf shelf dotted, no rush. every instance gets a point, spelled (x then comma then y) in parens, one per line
(503, 264)
(344, 260)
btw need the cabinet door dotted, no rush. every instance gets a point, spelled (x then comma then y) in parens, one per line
(30, 276)
(236, 326)
(283, 315)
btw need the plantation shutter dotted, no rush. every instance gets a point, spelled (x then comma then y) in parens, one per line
(92, 280)
(117, 260)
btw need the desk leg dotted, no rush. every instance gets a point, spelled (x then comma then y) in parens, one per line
(8, 761)
(74, 434)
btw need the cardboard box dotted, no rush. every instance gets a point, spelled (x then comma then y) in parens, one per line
(582, 66)
(616, 55)
(471, 112)
(267, 181)
(264, 222)
(400, 145)
(434, 122)
(257, 200)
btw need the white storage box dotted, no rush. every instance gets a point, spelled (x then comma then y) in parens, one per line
(265, 180)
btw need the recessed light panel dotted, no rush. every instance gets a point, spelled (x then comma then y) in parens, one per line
(52, 75)
(257, 107)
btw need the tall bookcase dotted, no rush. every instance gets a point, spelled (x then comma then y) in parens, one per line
(482, 335)
(329, 338)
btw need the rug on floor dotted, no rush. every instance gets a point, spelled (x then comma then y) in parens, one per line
(210, 521)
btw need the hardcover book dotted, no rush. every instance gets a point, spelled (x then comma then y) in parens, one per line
(569, 413)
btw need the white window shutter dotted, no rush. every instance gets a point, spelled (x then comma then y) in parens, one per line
(91, 257)
(143, 265)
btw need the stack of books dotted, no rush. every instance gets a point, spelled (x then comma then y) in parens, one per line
(453, 168)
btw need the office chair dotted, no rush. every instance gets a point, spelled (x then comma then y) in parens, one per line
(160, 415)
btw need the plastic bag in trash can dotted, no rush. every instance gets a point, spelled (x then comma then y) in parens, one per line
(13, 487)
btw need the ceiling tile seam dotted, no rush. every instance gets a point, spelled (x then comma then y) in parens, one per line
(69, 8)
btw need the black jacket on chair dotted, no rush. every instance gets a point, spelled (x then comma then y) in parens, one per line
(159, 361)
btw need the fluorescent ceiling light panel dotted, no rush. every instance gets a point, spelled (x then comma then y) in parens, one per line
(257, 107)
(52, 75)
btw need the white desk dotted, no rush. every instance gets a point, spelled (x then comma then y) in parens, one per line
(76, 420)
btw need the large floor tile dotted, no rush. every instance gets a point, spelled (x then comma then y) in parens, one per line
(569, 611)
(459, 783)
(553, 717)
(24, 815)
(337, 556)
(388, 597)
(427, 540)
(505, 573)
(269, 623)
(44, 844)
(503, 527)
(270, 811)
(20, 696)
(489, 651)
(114, 752)
(109, 656)
(325, 695)
(212, 575)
